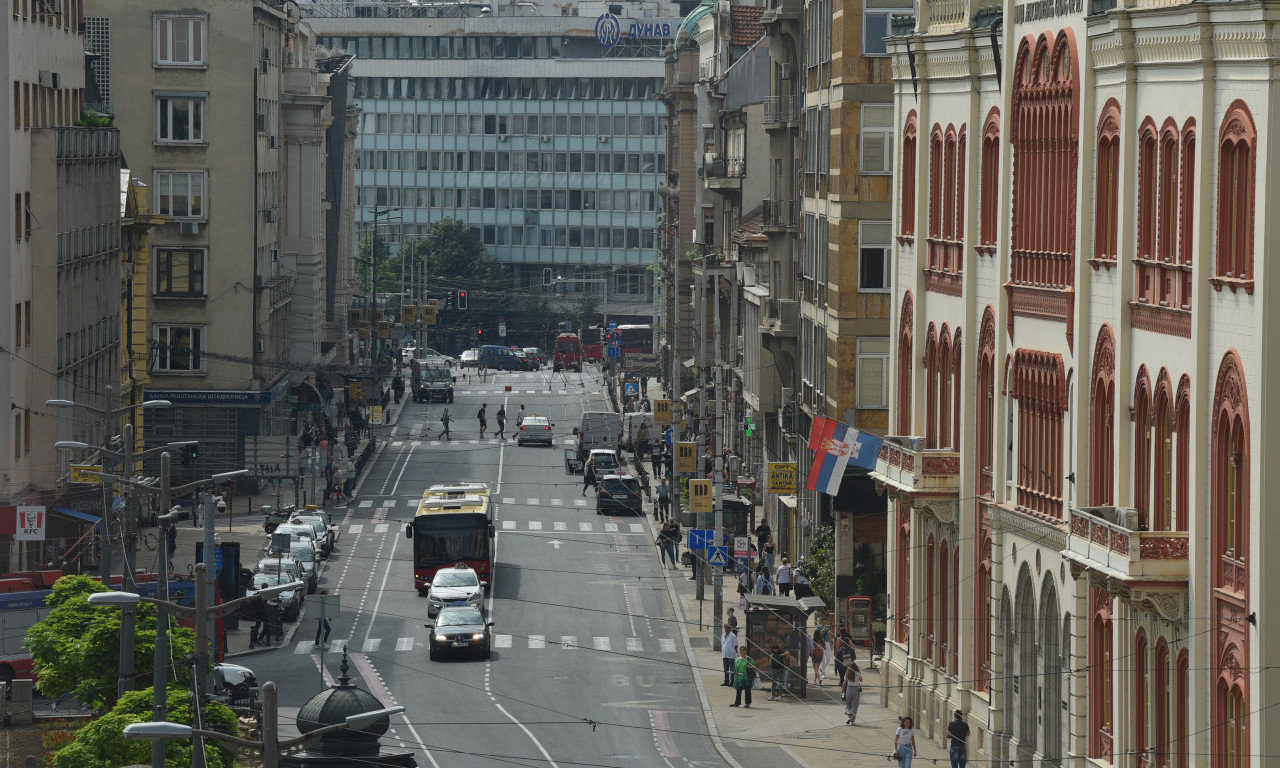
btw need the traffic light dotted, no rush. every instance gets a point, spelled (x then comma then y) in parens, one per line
(546, 275)
(462, 299)
(448, 300)
(480, 334)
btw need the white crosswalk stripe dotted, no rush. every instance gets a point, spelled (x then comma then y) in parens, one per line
(568, 642)
(637, 528)
(502, 641)
(381, 528)
(667, 645)
(366, 503)
(584, 527)
(434, 443)
(508, 500)
(508, 525)
(404, 644)
(389, 503)
(304, 647)
(356, 529)
(610, 527)
(535, 525)
(601, 643)
(537, 641)
(579, 502)
(533, 502)
(634, 645)
(560, 525)
(557, 502)
(397, 443)
(372, 645)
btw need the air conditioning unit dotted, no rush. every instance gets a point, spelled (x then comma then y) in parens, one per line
(502, 137)
(788, 394)
(603, 138)
(189, 227)
(260, 345)
(260, 122)
(544, 138)
(785, 70)
(271, 214)
(273, 142)
(50, 79)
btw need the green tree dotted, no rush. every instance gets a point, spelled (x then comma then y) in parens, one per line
(456, 259)
(101, 744)
(372, 248)
(76, 648)
(820, 563)
(585, 314)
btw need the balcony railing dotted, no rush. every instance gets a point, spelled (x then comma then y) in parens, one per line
(780, 214)
(1111, 539)
(947, 15)
(906, 465)
(780, 319)
(780, 111)
(777, 10)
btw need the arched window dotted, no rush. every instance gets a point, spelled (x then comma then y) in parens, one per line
(1107, 183)
(944, 606)
(1181, 722)
(990, 190)
(1102, 420)
(1182, 452)
(1147, 169)
(1101, 731)
(1040, 386)
(1167, 218)
(1140, 693)
(982, 616)
(1142, 445)
(930, 597)
(953, 633)
(905, 329)
(957, 376)
(1237, 158)
(931, 388)
(936, 197)
(985, 422)
(902, 582)
(907, 212)
(1186, 228)
(1229, 478)
(1045, 162)
(942, 369)
(959, 190)
(1161, 710)
(1162, 446)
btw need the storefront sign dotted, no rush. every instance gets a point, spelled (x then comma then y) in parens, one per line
(782, 477)
(85, 473)
(661, 411)
(209, 397)
(687, 457)
(1038, 10)
(31, 522)
(699, 495)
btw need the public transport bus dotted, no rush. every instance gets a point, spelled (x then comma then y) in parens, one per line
(568, 353)
(637, 346)
(453, 525)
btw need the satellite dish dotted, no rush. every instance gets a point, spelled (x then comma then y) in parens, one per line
(293, 13)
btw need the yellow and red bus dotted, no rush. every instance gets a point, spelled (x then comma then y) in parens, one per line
(453, 524)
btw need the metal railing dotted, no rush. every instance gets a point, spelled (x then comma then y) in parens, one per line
(780, 109)
(726, 168)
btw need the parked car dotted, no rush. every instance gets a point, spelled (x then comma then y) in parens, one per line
(455, 586)
(290, 567)
(498, 358)
(323, 534)
(535, 430)
(606, 461)
(307, 556)
(333, 531)
(235, 685)
(470, 359)
(523, 362)
(290, 600)
(459, 629)
(619, 493)
(536, 355)
(304, 529)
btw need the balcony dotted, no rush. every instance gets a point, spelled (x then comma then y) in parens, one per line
(781, 112)
(724, 174)
(1111, 540)
(780, 319)
(906, 466)
(782, 10)
(780, 215)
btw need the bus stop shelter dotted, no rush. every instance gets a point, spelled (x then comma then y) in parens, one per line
(776, 618)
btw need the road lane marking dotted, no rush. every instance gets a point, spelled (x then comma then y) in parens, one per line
(667, 645)
(508, 500)
(508, 525)
(356, 529)
(328, 678)
(366, 503)
(600, 643)
(610, 527)
(568, 642)
(304, 647)
(557, 502)
(535, 525)
(584, 527)
(533, 502)
(537, 641)
(637, 528)
(381, 528)
(372, 645)
(502, 641)
(634, 645)
(397, 443)
(579, 502)
(560, 525)
(404, 644)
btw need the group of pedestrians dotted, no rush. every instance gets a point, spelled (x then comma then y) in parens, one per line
(668, 541)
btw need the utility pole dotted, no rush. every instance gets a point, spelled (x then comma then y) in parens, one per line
(159, 673)
(717, 574)
(127, 582)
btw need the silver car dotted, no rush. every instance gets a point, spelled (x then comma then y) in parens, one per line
(290, 600)
(454, 587)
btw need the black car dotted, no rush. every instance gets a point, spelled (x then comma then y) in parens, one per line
(460, 629)
(618, 494)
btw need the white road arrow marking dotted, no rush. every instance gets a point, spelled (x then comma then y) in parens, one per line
(555, 543)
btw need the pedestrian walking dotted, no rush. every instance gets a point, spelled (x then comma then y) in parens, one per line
(480, 416)
(589, 475)
(520, 417)
(958, 736)
(816, 651)
(843, 653)
(800, 576)
(746, 584)
(444, 424)
(323, 627)
(663, 510)
(329, 471)
(904, 743)
(822, 637)
(352, 440)
(768, 550)
(851, 692)
(762, 583)
(397, 386)
(744, 676)
(667, 544)
(780, 661)
(762, 533)
(350, 472)
(732, 621)
(728, 654)
(340, 486)
(502, 422)
(783, 578)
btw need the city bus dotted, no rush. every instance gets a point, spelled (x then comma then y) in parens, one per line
(453, 525)
(637, 346)
(568, 353)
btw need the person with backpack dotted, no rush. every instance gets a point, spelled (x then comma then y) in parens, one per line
(480, 416)
(667, 544)
(444, 424)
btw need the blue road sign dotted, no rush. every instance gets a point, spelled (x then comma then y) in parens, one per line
(697, 538)
(668, 435)
(630, 389)
(613, 324)
(613, 350)
(718, 556)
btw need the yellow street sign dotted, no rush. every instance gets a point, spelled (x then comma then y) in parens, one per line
(85, 473)
(408, 314)
(700, 496)
(686, 457)
(782, 477)
(661, 411)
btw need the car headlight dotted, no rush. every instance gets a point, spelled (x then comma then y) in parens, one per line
(478, 636)
(441, 638)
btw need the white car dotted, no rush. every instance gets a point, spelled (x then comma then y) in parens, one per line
(455, 586)
(534, 429)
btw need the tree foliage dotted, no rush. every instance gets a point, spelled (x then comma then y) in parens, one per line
(101, 744)
(820, 563)
(456, 259)
(76, 648)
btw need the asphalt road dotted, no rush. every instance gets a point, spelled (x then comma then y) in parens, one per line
(589, 666)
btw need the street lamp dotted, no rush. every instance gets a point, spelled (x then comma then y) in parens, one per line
(203, 615)
(271, 744)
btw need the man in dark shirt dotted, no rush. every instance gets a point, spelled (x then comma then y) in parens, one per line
(958, 735)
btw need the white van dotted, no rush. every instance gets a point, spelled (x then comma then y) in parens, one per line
(634, 425)
(600, 429)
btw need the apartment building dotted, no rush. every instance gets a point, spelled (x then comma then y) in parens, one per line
(223, 111)
(518, 120)
(1077, 472)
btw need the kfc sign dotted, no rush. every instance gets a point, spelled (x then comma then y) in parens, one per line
(31, 522)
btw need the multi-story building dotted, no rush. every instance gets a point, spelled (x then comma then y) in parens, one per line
(518, 120)
(243, 248)
(1077, 473)
(62, 241)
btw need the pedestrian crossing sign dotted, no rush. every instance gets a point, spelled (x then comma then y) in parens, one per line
(718, 556)
(630, 389)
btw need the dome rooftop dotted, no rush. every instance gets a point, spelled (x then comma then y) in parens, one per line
(334, 705)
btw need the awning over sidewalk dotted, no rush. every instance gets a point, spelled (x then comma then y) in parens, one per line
(83, 517)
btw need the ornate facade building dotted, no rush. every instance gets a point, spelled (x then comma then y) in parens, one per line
(1076, 481)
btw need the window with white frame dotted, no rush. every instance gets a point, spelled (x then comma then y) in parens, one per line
(876, 153)
(875, 28)
(180, 40)
(873, 372)
(180, 117)
(874, 238)
(180, 194)
(179, 348)
(180, 272)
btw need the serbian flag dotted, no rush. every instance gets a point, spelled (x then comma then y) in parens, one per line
(834, 445)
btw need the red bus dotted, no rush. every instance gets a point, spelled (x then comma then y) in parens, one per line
(568, 353)
(637, 346)
(452, 525)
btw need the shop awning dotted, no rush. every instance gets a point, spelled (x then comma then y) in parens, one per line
(81, 516)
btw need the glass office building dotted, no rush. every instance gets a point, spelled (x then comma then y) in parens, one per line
(547, 144)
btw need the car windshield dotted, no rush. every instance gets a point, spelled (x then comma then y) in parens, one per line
(438, 374)
(617, 487)
(455, 579)
(305, 530)
(604, 460)
(536, 421)
(262, 580)
(459, 618)
(302, 550)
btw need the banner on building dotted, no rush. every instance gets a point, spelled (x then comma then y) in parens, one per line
(835, 446)
(782, 477)
(31, 522)
(700, 496)
(85, 473)
(687, 457)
